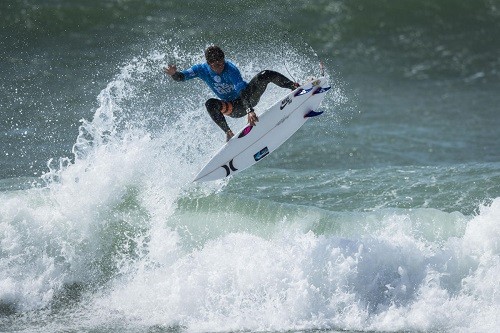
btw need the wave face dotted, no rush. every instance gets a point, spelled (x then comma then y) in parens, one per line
(380, 215)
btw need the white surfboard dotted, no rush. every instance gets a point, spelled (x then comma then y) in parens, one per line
(252, 143)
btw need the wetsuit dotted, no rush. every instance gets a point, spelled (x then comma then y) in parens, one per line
(236, 97)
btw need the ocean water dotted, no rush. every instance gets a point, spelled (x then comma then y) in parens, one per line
(382, 215)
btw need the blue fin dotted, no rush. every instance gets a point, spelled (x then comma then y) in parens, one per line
(321, 90)
(302, 91)
(312, 113)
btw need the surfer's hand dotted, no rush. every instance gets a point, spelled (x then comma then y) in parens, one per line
(170, 70)
(252, 118)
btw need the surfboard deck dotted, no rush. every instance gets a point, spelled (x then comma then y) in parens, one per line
(276, 125)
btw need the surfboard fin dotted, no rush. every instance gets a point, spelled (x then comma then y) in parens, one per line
(301, 91)
(312, 113)
(321, 90)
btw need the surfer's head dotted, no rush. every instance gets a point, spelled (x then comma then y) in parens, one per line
(214, 53)
(215, 58)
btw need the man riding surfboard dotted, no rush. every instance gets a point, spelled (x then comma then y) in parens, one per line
(236, 97)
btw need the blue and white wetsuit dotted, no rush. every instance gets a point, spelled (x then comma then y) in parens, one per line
(235, 95)
(227, 86)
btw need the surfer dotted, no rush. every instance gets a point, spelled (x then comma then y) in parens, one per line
(236, 97)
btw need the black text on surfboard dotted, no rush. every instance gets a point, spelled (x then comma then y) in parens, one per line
(230, 167)
(285, 102)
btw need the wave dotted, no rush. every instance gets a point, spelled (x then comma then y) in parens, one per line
(267, 267)
(130, 165)
(385, 276)
(119, 237)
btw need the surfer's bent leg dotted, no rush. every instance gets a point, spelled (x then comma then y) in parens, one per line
(249, 97)
(217, 109)
(257, 86)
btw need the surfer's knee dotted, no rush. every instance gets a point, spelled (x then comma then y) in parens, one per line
(216, 106)
(212, 105)
(266, 75)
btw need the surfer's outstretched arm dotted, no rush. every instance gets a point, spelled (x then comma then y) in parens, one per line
(172, 71)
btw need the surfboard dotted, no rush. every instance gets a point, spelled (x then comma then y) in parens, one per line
(276, 125)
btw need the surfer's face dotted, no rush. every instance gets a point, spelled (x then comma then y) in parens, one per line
(217, 65)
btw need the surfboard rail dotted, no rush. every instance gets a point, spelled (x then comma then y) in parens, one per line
(252, 143)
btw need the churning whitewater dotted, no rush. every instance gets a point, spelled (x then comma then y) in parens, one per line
(381, 215)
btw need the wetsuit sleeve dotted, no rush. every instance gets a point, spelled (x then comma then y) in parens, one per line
(178, 76)
(191, 73)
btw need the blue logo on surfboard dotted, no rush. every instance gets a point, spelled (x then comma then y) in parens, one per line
(261, 154)
(321, 90)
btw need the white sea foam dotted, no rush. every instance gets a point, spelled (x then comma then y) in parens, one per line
(390, 280)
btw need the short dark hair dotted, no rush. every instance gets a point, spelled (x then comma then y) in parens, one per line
(214, 53)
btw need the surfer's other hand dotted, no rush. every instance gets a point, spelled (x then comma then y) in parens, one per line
(252, 118)
(170, 70)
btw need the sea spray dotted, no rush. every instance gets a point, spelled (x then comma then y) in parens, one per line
(89, 215)
(104, 207)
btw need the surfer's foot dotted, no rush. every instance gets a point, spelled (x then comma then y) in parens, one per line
(229, 135)
(294, 85)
